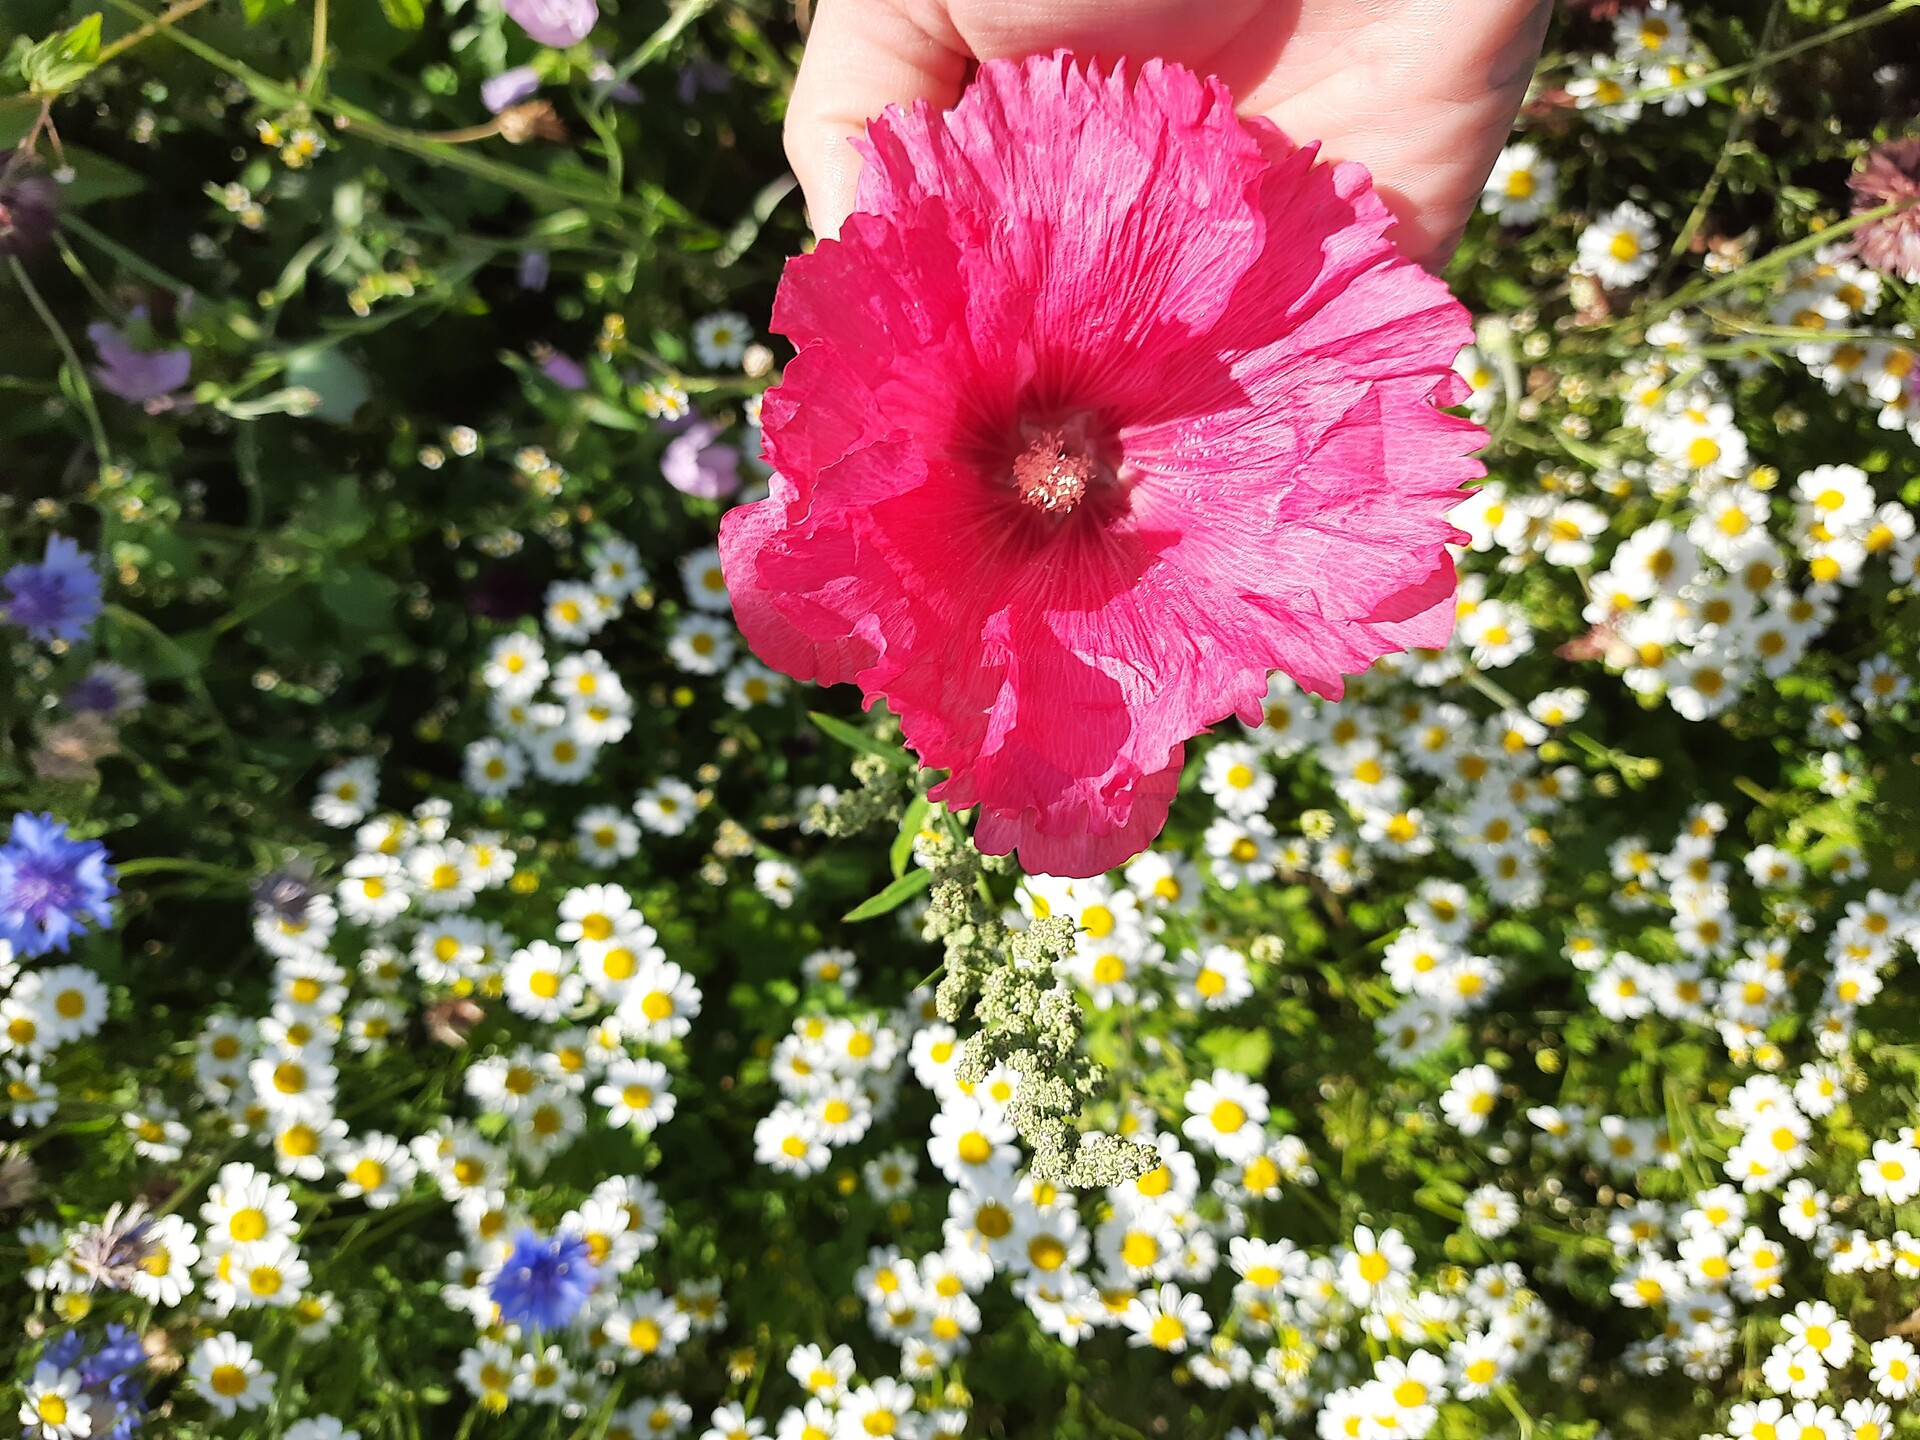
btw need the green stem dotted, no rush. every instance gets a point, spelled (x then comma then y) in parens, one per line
(650, 48)
(1514, 1408)
(176, 864)
(317, 62)
(198, 1178)
(178, 11)
(1772, 260)
(1774, 57)
(1735, 129)
(1499, 694)
(85, 276)
(604, 126)
(127, 259)
(83, 390)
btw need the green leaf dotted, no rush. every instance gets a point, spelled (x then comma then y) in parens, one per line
(1508, 294)
(136, 641)
(601, 413)
(910, 823)
(893, 897)
(18, 113)
(339, 383)
(258, 10)
(95, 177)
(1244, 1051)
(405, 14)
(360, 598)
(855, 739)
(334, 516)
(62, 60)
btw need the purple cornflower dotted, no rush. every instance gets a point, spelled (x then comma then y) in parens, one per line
(558, 23)
(50, 884)
(695, 465)
(57, 598)
(543, 1282)
(142, 377)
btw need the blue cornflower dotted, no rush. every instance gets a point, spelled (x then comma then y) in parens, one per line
(49, 884)
(543, 1282)
(56, 599)
(111, 1377)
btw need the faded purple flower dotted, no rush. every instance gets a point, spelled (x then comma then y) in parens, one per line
(29, 208)
(509, 87)
(703, 76)
(607, 84)
(106, 689)
(284, 894)
(695, 464)
(1892, 173)
(138, 376)
(558, 23)
(505, 592)
(112, 1252)
(563, 370)
(534, 270)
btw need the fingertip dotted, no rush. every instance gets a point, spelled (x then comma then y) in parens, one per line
(834, 182)
(1420, 242)
(861, 57)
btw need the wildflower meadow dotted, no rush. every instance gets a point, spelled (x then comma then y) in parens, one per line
(1109, 800)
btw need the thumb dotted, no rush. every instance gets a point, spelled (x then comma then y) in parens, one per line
(862, 56)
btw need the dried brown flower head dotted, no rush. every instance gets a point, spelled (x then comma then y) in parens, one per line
(19, 1181)
(449, 1022)
(72, 749)
(531, 120)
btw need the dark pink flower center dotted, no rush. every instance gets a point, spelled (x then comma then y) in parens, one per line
(1062, 463)
(1051, 477)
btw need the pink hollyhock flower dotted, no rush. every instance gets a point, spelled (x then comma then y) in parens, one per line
(1107, 404)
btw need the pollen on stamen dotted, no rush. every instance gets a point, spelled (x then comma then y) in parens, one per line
(1049, 477)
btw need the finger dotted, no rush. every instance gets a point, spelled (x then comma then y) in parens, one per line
(1442, 165)
(1424, 97)
(862, 56)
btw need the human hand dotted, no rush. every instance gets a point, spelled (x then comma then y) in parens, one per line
(1422, 92)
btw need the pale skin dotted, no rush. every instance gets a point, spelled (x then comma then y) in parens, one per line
(1422, 92)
